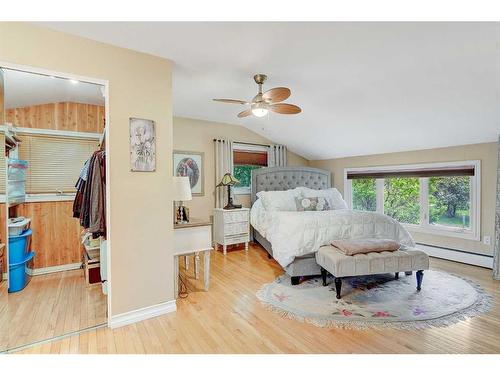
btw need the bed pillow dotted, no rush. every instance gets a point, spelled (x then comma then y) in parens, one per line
(332, 195)
(281, 200)
(312, 204)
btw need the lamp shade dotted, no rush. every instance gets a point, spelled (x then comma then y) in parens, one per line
(227, 179)
(182, 189)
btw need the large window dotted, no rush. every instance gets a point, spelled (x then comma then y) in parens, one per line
(441, 198)
(364, 194)
(402, 199)
(247, 158)
(450, 201)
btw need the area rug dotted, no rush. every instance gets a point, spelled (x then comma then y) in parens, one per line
(378, 301)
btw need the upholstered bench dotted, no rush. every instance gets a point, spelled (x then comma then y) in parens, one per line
(338, 264)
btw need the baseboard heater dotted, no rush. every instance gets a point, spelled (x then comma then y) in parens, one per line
(461, 256)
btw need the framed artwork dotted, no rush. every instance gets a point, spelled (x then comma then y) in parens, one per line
(191, 164)
(142, 145)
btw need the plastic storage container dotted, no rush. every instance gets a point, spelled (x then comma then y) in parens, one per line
(18, 275)
(16, 180)
(18, 247)
(17, 170)
(18, 225)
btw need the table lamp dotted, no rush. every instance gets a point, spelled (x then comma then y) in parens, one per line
(182, 192)
(228, 180)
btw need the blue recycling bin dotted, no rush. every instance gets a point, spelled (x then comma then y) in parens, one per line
(18, 246)
(19, 257)
(18, 275)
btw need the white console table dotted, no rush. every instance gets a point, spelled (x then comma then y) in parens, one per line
(193, 238)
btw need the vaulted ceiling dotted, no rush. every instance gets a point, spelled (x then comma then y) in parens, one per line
(364, 88)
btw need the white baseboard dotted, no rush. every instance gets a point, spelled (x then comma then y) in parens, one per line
(142, 314)
(458, 256)
(46, 270)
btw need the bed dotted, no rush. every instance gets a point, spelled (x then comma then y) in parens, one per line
(292, 238)
(286, 178)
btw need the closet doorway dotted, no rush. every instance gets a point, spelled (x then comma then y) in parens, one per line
(53, 248)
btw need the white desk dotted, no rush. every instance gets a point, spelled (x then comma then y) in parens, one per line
(191, 239)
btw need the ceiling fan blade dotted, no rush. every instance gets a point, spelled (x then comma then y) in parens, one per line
(277, 94)
(285, 109)
(245, 113)
(232, 101)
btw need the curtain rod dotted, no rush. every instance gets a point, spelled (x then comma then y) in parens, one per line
(244, 143)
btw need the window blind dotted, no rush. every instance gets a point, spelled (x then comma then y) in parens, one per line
(250, 158)
(2, 164)
(466, 170)
(54, 163)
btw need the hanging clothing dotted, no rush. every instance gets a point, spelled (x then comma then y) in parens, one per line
(90, 200)
(97, 216)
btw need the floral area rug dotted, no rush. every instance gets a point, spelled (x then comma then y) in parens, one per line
(378, 301)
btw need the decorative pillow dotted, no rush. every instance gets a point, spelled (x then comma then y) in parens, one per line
(312, 204)
(332, 195)
(281, 200)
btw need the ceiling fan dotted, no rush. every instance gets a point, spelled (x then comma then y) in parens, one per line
(262, 103)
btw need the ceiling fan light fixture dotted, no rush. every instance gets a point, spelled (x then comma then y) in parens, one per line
(260, 109)
(264, 102)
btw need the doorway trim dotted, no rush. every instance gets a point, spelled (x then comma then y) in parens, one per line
(105, 83)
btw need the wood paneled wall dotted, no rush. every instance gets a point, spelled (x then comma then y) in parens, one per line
(67, 116)
(56, 233)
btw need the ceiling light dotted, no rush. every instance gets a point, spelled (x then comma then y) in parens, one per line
(260, 109)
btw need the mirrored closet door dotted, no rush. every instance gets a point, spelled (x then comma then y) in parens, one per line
(4, 336)
(52, 134)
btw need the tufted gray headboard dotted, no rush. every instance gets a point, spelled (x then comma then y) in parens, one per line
(286, 178)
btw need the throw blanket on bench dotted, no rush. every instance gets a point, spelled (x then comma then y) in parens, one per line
(364, 246)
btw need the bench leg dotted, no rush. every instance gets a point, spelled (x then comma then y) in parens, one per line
(420, 276)
(396, 275)
(338, 286)
(323, 276)
(295, 280)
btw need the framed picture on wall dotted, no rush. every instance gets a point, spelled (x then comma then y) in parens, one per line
(142, 145)
(191, 164)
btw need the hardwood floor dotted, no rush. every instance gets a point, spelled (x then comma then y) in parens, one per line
(51, 305)
(230, 319)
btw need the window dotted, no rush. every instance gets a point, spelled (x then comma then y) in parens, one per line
(449, 201)
(402, 199)
(246, 158)
(364, 194)
(440, 198)
(54, 162)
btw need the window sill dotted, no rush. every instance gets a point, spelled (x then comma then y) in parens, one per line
(31, 198)
(241, 191)
(436, 231)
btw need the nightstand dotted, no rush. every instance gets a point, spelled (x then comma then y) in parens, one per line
(231, 227)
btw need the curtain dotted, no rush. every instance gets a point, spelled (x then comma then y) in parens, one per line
(276, 156)
(496, 251)
(223, 164)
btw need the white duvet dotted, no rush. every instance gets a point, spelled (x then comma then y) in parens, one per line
(293, 233)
